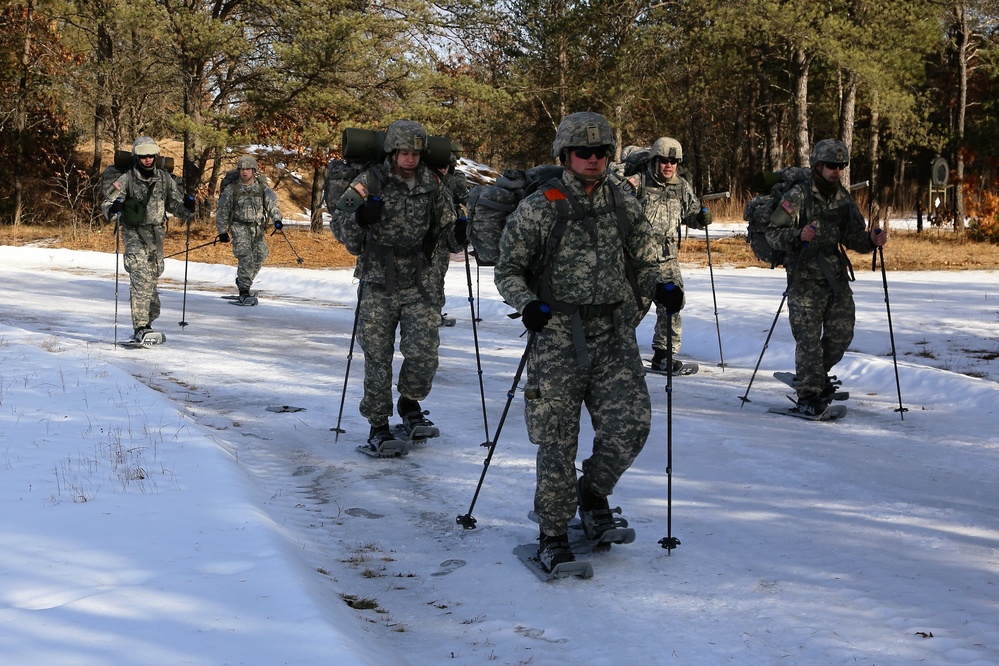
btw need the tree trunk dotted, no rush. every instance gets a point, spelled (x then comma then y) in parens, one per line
(21, 123)
(847, 115)
(801, 62)
(963, 36)
(874, 157)
(318, 184)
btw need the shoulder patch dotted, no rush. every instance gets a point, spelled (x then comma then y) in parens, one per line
(788, 207)
(554, 194)
(634, 180)
(361, 189)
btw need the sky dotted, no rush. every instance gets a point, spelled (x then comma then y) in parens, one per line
(189, 504)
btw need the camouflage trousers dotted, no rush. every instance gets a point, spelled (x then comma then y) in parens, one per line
(669, 329)
(144, 264)
(417, 320)
(615, 394)
(250, 247)
(822, 324)
(442, 259)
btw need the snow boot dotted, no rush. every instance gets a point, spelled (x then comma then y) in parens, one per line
(659, 362)
(812, 405)
(246, 298)
(414, 420)
(594, 512)
(554, 550)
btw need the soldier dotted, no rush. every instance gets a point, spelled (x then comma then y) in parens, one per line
(668, 201)
(812, 221)
(245, 207)
(595, 278)
(456, 184)
(142, 197)
(393, 217)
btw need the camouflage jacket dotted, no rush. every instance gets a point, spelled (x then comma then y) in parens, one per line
(252, 204)
(589, 265)
(401, 246)
(838, 221)
(667, 205)
(165, 197)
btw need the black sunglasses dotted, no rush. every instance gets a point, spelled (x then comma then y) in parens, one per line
(833, 166)
(587, 153)
(670, 160)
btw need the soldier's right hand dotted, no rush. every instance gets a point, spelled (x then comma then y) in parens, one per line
(808, 233)
(536, 316)
(223, 237)
(116, 207)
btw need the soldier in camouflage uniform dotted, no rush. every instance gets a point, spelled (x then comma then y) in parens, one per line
(149, 187)
(669, 201)
(393, 217)
(456, 183)
(811, 223)
(582, 313)
(244, 210)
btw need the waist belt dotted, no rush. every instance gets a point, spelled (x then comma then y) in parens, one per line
(579, 314)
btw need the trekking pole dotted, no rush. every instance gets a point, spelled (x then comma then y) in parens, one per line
(475, 338)
(350, 355)
(766, 343)
(117, 239)
(196, 247)
(187, 253)
(711, 272)
(281, 229)
(669, 542)
(466, 520)
(891, 333)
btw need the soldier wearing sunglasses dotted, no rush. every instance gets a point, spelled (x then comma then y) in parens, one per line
(669, 201)
(812, 223)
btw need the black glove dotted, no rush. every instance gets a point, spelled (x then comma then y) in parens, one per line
(461, 230)
(189, 203)
(278, 225)
(223, 237)
(704, 218)
(669, 296)
(369, 213)
(536, 315)
(116, 207)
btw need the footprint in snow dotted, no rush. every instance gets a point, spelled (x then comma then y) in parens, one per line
(447, 566)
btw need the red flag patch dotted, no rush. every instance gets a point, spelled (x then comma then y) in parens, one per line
(788, 207)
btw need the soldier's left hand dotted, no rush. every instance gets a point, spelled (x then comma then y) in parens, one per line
(879, 237)
(669, 296)
(704, 218)
(189, 203)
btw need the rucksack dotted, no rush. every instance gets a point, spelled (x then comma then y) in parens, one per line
(339, 175)
(133, 213)
(490, 205)
(760, 208)
(637, 161)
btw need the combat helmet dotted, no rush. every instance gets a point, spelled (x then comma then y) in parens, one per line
(247, 162)
(830, 150)
(581, 130)
(667, 147)
(145, 146)
(405, 135)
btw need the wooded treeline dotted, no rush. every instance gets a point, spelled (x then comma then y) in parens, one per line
(745, 85)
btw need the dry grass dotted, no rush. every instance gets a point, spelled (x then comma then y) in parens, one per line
(932, 250)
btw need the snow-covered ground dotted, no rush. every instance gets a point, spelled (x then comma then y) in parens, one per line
(170, 506)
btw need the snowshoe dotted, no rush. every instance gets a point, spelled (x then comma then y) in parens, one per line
(811, 410)
(680, 368)
(447, 321)
(830, 392)
(597, 521)
(384, 443)
(414, 421)
(144, 338)
(552, 558)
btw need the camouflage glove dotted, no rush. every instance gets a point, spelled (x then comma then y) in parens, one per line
(223, 237)
(704, 218)
(536, 315)
(669, 296)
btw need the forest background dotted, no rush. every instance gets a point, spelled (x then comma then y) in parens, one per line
(745, 85)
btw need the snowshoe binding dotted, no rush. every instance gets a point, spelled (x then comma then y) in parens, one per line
(414, 422)
(599, 525)
(384, 443)
(812, 409)
(659, 364)
(552, 558)
(831, 392)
